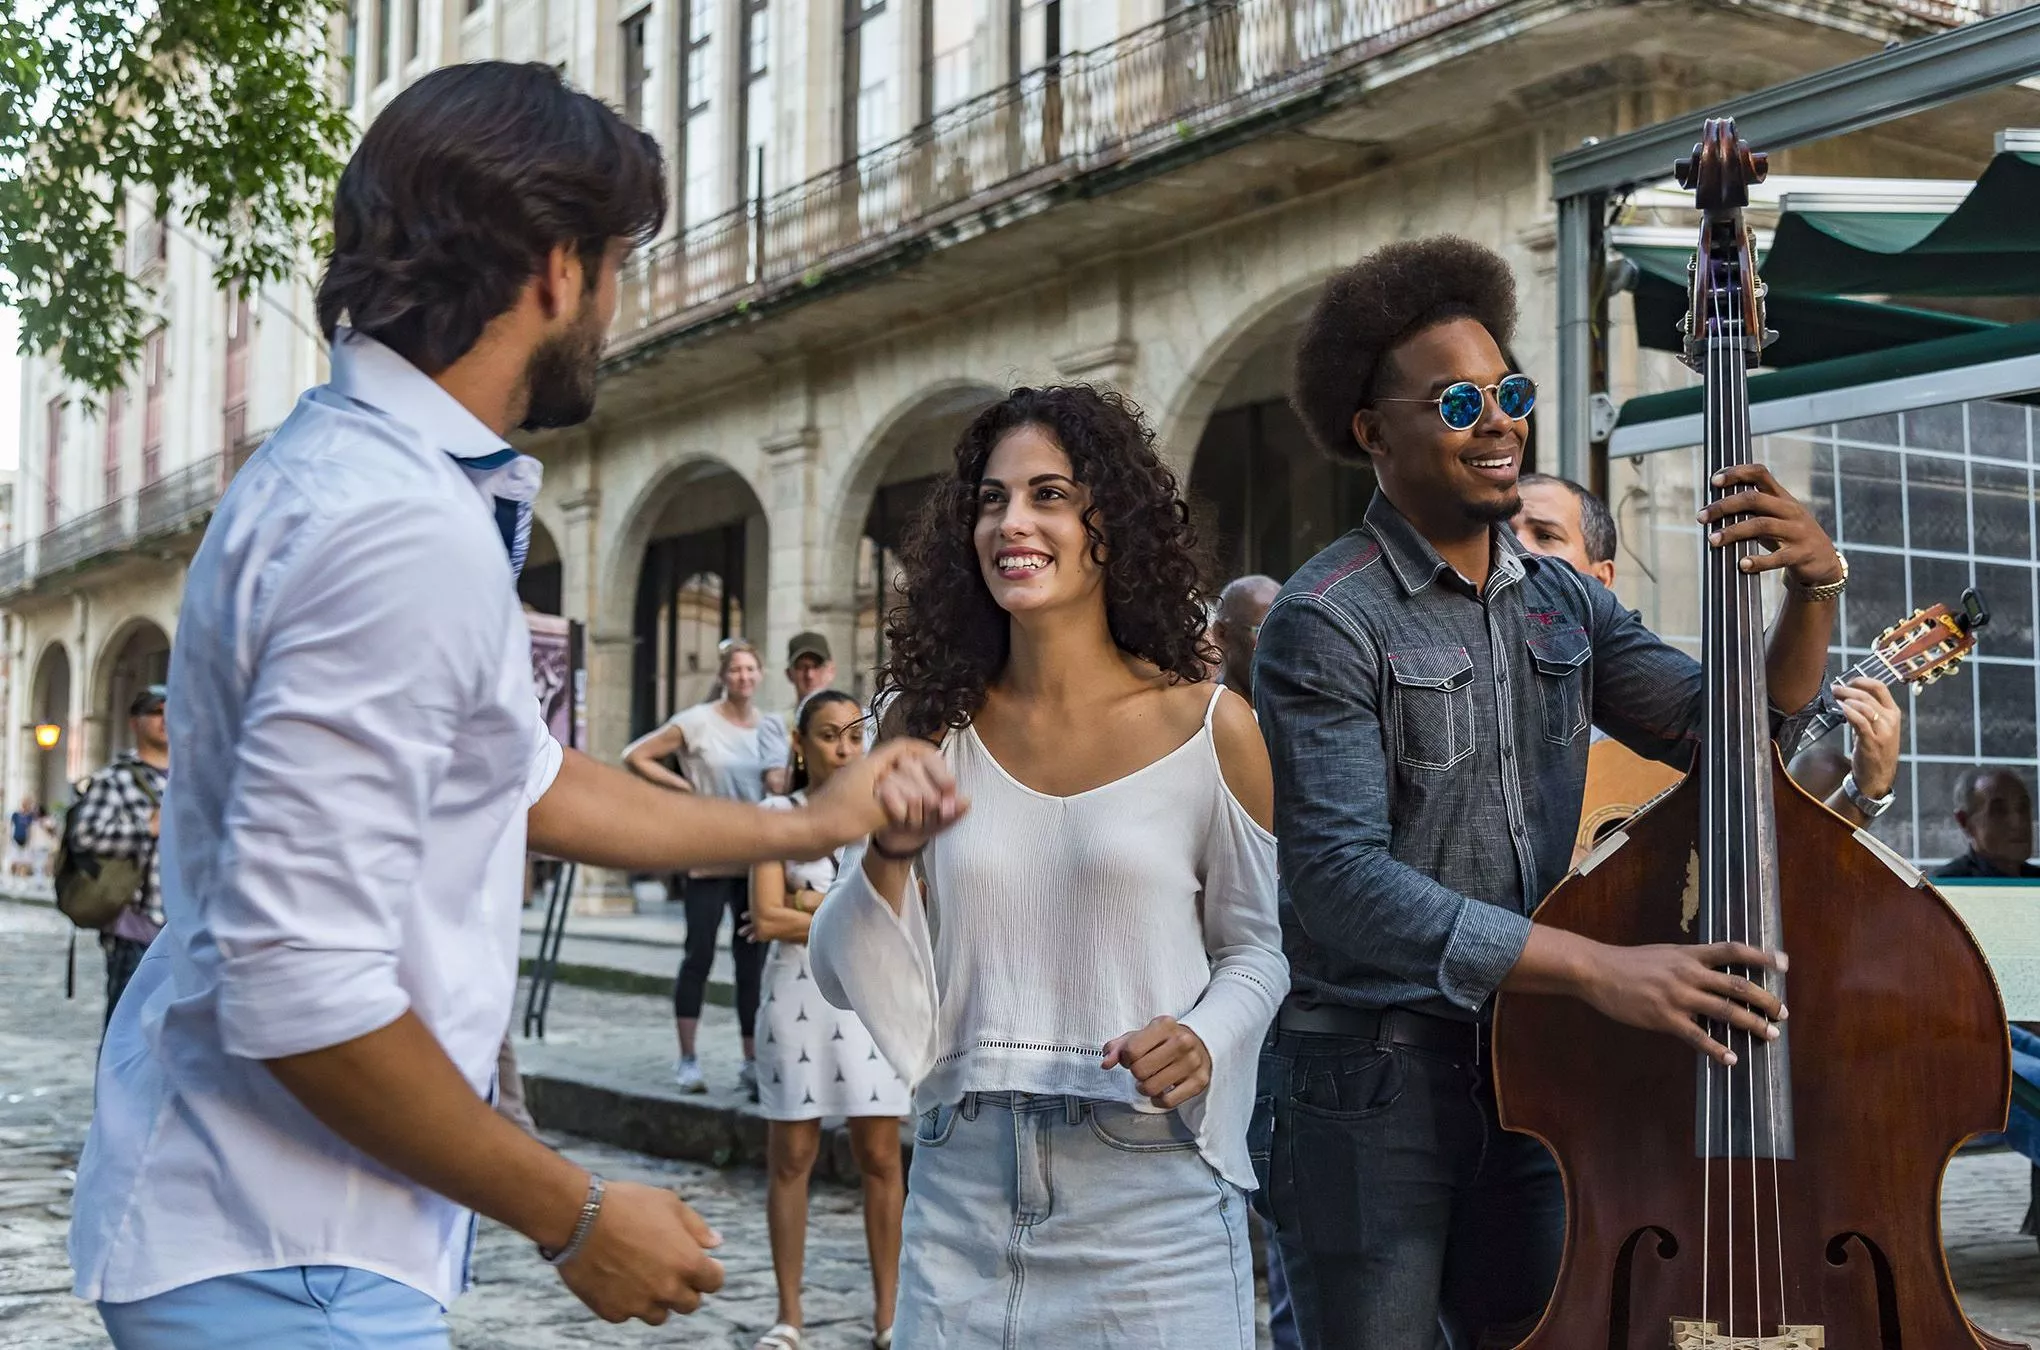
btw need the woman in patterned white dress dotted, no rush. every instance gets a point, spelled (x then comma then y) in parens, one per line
(815, 1060)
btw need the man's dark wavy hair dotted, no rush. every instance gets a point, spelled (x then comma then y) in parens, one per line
(461, 188)
(1380, 302)
(949, 638)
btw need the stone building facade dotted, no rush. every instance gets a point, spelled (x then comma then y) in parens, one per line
(885, 212)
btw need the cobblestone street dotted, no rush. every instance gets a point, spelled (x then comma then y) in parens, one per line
(46, 1049)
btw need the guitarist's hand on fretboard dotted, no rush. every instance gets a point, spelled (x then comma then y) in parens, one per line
(1873, 715)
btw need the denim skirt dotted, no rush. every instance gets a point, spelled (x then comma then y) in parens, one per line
(1040, 1221)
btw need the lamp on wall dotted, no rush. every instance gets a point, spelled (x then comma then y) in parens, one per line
(47, 734)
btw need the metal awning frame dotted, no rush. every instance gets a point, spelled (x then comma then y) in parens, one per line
(1894, 83)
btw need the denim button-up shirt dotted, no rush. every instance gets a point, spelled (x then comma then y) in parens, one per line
(1430, 753)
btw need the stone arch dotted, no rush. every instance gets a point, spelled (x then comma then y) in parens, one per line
(542, 582)
(911, 442)
(640, 519)
(49, 701)
(135, 654)
(924, 424)
(693, 550)
(1264, 498)
(1263, 324)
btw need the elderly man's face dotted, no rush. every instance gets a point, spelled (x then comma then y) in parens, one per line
(1999, 819)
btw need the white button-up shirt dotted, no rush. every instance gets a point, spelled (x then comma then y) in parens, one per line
(357, 740)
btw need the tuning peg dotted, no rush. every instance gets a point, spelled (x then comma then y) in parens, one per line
(1770, 336)
(1685, 324)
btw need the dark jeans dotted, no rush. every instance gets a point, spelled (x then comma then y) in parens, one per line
(707, 898)
(1407, 1217)
(122, 956)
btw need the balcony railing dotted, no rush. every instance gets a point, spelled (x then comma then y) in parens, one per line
(82, 537)
(1155, 88)
(1158, 86)
(13, 569)
(177, 499)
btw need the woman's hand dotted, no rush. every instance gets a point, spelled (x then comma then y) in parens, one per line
(1168, 1061)
(1875, 717)
(901, 793)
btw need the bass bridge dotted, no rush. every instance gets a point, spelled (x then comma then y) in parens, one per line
(1692, 1335)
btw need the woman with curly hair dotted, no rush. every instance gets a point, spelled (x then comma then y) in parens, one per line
(1076, 977)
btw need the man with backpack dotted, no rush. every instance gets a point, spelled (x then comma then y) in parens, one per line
(107, 875)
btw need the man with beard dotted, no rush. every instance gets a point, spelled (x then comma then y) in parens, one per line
(1426, 685)
(293, 1134)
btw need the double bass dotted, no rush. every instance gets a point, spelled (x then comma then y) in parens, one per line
(1791, 1202)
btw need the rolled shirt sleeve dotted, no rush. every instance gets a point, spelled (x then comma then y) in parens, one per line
(1315, 684)
(359, 681)
(546, 757)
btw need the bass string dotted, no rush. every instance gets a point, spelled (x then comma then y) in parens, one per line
(1707, 873)
(1759, 923)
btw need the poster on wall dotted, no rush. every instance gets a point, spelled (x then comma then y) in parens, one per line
(559, 675)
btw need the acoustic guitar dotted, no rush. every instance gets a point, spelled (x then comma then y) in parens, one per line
(1920, 650)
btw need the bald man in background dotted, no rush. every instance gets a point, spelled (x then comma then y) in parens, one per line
(1237, 629)
(1995, 810)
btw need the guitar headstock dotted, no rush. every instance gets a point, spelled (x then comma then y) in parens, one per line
(1932, 642)
(1726, 301)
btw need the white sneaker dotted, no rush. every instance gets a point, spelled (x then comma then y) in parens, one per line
(747, 1078)
(687, 1073)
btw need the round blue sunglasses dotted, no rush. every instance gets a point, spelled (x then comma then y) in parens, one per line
(1460, 404)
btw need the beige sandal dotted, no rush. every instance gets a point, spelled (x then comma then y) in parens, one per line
(785, 1336)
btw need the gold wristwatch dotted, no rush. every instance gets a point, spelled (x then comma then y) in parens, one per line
(1826, 590)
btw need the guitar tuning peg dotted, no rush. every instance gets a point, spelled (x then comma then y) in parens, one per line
(1770, 336)
(1685, 324)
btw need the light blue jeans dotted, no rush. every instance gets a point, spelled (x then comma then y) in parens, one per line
(327, 1307)
(1037, 1222)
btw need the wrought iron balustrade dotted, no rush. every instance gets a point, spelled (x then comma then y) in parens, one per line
(1158, 87)
(96, 532)
(178, 498)
(13, 569)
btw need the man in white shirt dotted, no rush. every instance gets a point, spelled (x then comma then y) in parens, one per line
(293, 1128)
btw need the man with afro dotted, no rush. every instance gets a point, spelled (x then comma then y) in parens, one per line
(1426, 685)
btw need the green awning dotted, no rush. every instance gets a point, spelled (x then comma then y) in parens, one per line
(1811, 328)
(1986, 246)
(2002, 362)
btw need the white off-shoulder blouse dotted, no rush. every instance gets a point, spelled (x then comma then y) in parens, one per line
(1054, 924)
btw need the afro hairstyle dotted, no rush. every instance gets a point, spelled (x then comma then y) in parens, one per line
(1386, 298)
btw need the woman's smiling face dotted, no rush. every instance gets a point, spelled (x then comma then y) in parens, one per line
(1033, 550)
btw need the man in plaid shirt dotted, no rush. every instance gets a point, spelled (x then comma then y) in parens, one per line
(118, 816)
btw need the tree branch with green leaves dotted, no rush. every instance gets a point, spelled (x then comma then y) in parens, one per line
(225, 117)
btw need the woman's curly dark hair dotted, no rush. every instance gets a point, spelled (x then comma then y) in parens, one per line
(949, 638)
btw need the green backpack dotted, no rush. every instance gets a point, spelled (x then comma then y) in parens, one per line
(92, 890)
